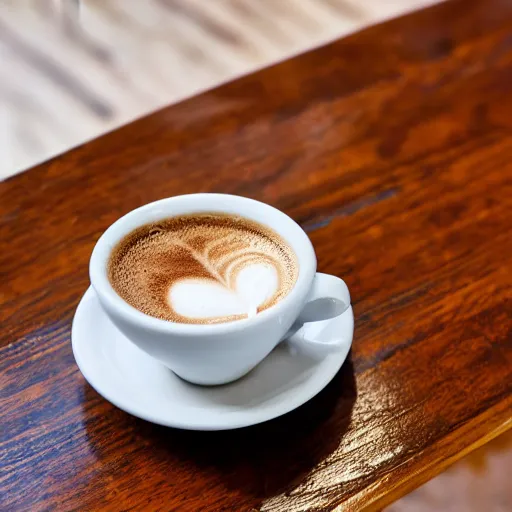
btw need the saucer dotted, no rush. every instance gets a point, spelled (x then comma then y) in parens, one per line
(138, 384)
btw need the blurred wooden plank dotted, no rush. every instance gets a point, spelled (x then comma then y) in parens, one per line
(480, 481)
(71, 70)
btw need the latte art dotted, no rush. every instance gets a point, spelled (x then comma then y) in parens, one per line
(203, 268)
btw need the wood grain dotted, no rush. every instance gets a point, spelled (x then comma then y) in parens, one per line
(71, 70)
(393, 149)
(478, 481)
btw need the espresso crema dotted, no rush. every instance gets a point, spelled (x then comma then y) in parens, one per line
(203, 268)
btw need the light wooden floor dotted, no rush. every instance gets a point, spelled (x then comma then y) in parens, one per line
(71, 70)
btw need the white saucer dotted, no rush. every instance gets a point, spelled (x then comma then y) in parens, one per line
(138, 384)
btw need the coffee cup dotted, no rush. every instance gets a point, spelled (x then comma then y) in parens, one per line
(211, 354)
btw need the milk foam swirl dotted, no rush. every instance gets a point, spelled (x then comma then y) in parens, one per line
(202, 268)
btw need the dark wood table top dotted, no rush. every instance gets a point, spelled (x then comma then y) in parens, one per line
(393, 148)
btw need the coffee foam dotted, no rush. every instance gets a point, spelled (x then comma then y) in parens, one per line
(203, 268)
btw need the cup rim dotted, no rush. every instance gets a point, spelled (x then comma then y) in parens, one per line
(128, 222)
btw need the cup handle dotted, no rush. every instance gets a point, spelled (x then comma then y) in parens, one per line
(314, 331)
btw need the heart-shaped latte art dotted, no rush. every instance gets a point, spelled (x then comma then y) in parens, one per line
(203, 299)
(203, 268)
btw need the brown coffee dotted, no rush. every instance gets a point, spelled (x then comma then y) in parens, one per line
(203, 268)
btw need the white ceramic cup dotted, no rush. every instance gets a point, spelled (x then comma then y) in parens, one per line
(221, 353)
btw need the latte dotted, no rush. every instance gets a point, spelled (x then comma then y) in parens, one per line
(203, 268)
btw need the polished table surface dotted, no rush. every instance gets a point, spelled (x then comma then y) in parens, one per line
(393, 149)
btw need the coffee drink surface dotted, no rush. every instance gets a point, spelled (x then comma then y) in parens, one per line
(203, 268)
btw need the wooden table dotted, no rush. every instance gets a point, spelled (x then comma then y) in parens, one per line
(393, 148)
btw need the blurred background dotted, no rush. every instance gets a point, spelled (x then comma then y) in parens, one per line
(71, 70)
